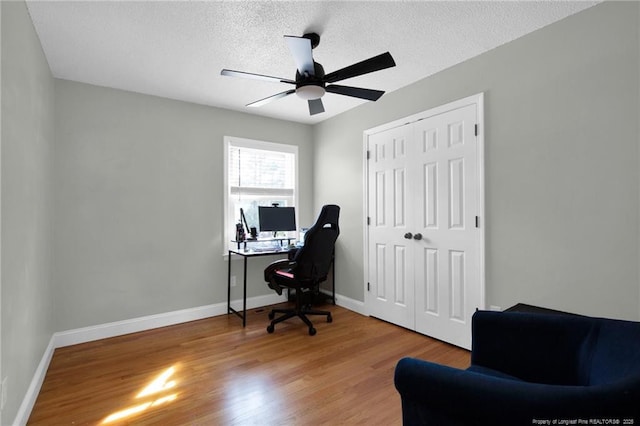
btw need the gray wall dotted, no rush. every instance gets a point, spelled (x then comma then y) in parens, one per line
(27, 144)
(139, 202)
(561, 161)
(135, 221)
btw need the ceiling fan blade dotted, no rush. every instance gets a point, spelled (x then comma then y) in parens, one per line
(315, 106)
(242, 74)
(271, 98)
(376, 63)
(356, 92)
(300, 48)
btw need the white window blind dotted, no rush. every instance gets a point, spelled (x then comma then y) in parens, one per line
(261, 172)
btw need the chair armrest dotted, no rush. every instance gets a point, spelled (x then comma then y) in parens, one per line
(276, 265)
(430, 391)
(541, 348)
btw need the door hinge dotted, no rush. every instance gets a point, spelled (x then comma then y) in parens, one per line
(368, 220)
(476, 130)
(368, 154)
(368, 286)
(477, 222)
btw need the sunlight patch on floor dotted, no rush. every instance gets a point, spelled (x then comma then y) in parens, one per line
(161, 384)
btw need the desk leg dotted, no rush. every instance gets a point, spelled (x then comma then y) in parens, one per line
(229, 285)
(230, 310)
(244, 295)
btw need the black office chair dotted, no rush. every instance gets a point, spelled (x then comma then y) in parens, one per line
(308, 267)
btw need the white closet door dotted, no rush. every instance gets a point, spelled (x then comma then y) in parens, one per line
(391, 283)
(447, 287)
(424, 192)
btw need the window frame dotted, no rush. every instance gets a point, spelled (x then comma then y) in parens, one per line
(232, 141)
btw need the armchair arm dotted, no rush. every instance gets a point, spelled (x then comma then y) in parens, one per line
(436, 394)
(540, 348)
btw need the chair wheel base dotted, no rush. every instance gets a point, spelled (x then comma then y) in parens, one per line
(298, 312)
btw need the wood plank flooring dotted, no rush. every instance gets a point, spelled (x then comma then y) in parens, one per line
(214, 372)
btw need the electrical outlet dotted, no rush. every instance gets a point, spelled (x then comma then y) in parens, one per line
(233, 280)
(3, 397)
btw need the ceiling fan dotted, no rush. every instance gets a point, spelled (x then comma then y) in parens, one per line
(311, 82)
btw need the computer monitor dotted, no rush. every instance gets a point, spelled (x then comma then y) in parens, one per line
(277, 219)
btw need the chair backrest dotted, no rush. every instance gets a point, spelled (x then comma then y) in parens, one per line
(313, 259)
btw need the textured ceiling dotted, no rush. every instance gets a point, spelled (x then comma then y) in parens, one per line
(176, 49)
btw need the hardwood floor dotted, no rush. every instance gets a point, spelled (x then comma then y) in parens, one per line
(214, 372)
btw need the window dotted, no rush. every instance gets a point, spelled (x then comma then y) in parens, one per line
(257, 174)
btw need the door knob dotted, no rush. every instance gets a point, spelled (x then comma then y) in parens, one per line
(418, 236)
(408, 235)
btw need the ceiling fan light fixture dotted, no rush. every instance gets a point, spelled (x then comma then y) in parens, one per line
(310, 91)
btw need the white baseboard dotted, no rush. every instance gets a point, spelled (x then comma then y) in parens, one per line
(118, 328)
(34, 387)
(351, 304)
(347, 303)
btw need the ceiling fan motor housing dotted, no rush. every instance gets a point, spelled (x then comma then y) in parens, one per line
(314, 38)
(311, 86)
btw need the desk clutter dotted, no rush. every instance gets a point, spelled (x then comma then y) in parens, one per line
(260, 245)
(269, 249)
(271, 219)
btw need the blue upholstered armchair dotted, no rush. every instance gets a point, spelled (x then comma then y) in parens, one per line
(529, 368)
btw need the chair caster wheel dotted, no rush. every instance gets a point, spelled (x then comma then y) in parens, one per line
(312, 331)
(329, 318)
(272, 315)
(270, 328)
